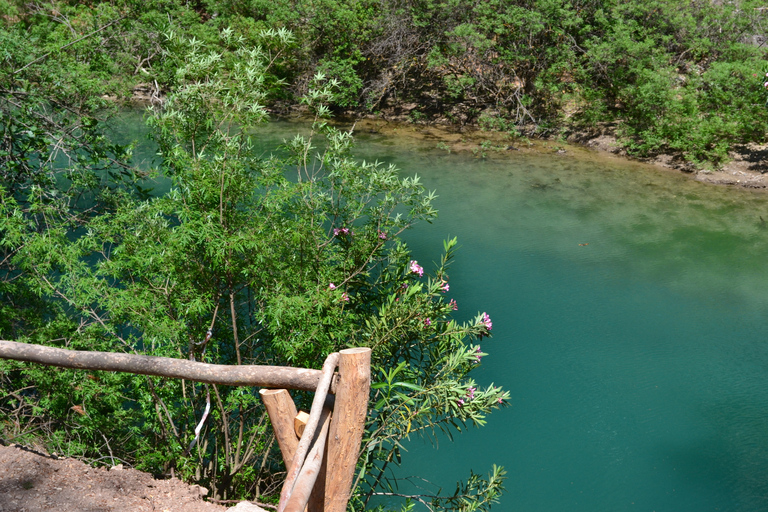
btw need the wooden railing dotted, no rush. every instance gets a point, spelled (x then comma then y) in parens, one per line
(320, 458)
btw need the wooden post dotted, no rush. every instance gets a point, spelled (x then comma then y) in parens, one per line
(282, 412)
(347, 424)
(300, 423)
(315, 412)
(317, 498)
(311, 469)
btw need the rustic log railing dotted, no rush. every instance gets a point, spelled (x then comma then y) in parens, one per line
(320, 460)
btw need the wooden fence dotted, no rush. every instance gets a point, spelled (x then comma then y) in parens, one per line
(320, 455)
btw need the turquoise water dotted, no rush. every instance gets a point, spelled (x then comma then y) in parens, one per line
(637, 363)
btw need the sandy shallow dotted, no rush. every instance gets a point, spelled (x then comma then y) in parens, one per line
(748, 167)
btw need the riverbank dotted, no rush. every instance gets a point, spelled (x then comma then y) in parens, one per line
(747, 168)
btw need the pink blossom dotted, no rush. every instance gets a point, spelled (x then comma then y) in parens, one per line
(478, 357)
(461, 402)
(487, 321)
(332, 286)
(454, 305)
(445, 287)
(345, 297)
(471, 392)
(382, 235)
(501, 400)
(427, 322)
(416, 269)
(342, 231)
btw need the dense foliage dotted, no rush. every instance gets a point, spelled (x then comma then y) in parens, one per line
(665, 75)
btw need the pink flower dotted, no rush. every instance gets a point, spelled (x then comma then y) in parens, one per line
(454, 305)
(345, 297)
(416, 269)
(445, 287)
(501, 400)
(332, 286)
(382, 235)
(342, 231)
(478, 357)
(471, 393)
(461, 402)
(487, 321)
(427, 322)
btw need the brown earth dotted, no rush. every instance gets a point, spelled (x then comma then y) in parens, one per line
(32, 481)
(747, 167)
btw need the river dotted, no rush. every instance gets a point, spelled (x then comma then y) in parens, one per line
(630, 314)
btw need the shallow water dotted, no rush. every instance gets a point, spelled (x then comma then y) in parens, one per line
(637, 362)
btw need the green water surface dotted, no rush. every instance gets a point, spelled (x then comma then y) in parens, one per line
(638, 363)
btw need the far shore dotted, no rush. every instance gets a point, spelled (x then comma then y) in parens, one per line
(747, 167)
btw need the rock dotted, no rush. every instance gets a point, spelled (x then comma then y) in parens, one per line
(202, 490)
(246, 506)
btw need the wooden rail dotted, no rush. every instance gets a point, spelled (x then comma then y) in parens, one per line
(246, 375)
(321, 461)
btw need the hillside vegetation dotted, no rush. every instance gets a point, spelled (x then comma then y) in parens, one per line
(667, 75)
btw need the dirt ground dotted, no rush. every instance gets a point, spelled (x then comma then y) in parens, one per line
(32, 481)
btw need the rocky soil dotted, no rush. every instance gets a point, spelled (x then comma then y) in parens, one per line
(32, 481)
(748, 167)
